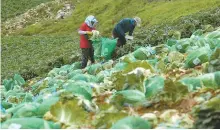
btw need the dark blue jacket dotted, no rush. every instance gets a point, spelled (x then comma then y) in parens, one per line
(124, 26)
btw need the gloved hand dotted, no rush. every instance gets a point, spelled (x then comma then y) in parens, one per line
(89, 32)
(129, 37)
(95, 33)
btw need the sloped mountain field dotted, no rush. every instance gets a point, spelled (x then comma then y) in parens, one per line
(53, 50)
(167, 77)
(172, 85)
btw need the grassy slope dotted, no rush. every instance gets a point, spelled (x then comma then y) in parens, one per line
(34, 56)
(40, 13)
(12, 8)
(108, 13)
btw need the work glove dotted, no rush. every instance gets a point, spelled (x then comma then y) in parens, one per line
(95, 35)
(127, 37)
(89, 32)
(95, 32)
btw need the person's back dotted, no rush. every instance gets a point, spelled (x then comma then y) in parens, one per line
(124, 26)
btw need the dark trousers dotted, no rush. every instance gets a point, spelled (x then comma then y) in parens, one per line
(86, 54)
(121, 39)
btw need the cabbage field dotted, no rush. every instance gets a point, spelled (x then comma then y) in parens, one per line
(167, 77)
(171, 85)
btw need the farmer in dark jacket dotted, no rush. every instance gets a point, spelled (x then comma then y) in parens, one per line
(124, 26)
(85, 30)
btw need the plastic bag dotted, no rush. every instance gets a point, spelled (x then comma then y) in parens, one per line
(132, 123)
(108, 47)
(94, 69)
(84, 77)
(143, 53)
(79, 88)
(29, 123)
(197, 57)
(97, 45)
(131, 97)
(183, 44)
(207, 80)
(154, 85)
(17, 80)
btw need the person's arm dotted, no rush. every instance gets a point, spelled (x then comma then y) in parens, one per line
(120, 31)
(84, 32)
(131, 31)
(81, 32)
(132, 26)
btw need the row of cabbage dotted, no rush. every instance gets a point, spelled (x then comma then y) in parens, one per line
(109, 94)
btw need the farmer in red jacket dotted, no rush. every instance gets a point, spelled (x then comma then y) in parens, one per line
(86, 44)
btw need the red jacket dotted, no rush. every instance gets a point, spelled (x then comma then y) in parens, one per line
(84, 43)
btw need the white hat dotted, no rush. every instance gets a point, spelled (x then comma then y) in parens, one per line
(91, 21)
(138, 21)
